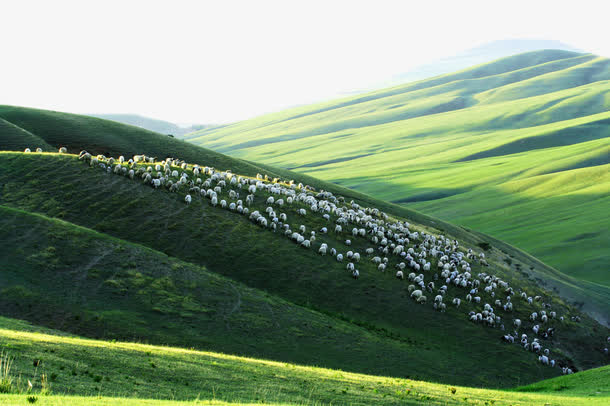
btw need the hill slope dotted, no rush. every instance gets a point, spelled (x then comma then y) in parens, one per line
(465, 147)
(87, 372)
(229, 244)
(102, 136)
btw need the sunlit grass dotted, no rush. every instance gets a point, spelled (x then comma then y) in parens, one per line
(446, 145)
(203, 377)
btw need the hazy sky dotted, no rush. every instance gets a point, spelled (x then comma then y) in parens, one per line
(221, 61)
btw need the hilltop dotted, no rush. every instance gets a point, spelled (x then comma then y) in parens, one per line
(516, 148)
(478, 55)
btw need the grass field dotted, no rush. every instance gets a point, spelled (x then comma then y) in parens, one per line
(84, 371)
(143, 267)
(485, 147)
(55, 129)
(165, 304)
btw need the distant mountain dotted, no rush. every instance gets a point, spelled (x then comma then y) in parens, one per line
(478, 55)
(159, 126)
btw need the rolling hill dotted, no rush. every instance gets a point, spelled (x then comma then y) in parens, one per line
(141, 265)
(517, 148)
(84, 371)
(476, 56)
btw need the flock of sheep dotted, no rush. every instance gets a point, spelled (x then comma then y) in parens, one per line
(433, 265)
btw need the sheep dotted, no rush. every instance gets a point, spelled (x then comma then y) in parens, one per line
(381, 267)
(400, 275)
(63, 150)
(517, 323)
(348, 242)
(355, 274)
(456, 301)
(339, 257)
(187, 199)
(422, 299)
(338, 229)
(302, 212)
(356, 257)
(416, 294)
(27, 150)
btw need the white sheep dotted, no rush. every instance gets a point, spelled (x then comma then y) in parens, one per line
(27, 150)
(400, 275)
(340, 257)
(187, 199)
(63, 150)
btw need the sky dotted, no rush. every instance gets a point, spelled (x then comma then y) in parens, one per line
(224, 61)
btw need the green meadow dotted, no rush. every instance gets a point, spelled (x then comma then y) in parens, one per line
(83, 372)
(113, 292)
(517, 148)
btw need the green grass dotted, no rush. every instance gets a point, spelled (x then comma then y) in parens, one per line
(457, 146)
(375, 327)
(85, 371)
(102, 136)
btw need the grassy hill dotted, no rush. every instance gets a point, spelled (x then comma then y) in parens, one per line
(84, 371)
(485, 147)
(140, 260)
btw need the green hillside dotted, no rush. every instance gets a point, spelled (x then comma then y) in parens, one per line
(83, 372)
(142, 265)
(377, 303)
(485, 147)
